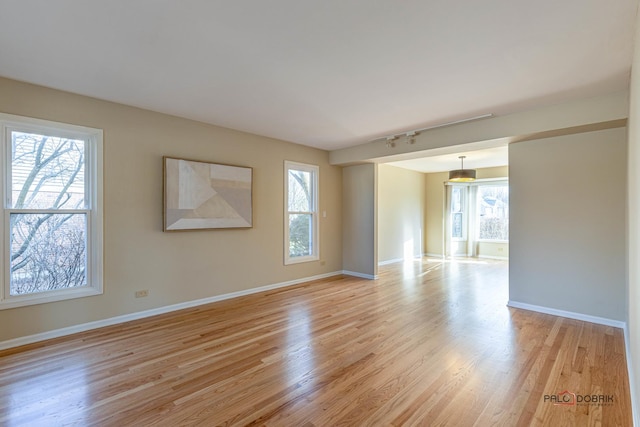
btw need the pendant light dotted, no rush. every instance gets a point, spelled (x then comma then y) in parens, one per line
(462, 174)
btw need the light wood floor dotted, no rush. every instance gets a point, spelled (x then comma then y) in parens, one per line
(429, 343)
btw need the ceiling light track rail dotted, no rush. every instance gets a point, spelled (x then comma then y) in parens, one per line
(410, 135)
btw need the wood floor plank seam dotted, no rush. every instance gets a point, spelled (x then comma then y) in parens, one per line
(431, 342)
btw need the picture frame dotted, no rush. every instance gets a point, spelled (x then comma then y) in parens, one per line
(201, 195)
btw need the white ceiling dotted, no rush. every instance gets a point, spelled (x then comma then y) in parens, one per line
(329, 73)
(486, 158)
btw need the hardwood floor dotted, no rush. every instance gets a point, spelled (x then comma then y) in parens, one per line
(429, 343)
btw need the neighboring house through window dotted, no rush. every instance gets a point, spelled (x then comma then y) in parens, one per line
(478, 213)
(52, 229)
(493, 212)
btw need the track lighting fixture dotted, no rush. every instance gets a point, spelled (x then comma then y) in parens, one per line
(411, 135)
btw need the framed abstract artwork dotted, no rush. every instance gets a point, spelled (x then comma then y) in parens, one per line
(203, 196)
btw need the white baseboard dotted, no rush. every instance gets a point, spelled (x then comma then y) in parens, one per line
(568, 314)
(635, 410)
(504, 258)
(56, 333)
(361, 275)
(395, 260)
(431, 255)
(390, 261)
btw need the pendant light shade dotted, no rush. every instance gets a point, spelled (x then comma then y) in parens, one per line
(462, 174)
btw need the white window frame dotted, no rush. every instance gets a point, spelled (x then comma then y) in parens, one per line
(465, 211)
(93, 210)
(315, 174)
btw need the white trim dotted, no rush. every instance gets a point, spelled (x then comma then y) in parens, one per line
(49, 296)
(504, 258)
(479, 181)
(390, 261)
(568, 314)
(464, 255)
(491, 180)
(56, 333)
(395, 260)
(314, 170)
(635, 410)
(360, 275)
(432, 255)
(464, 210)
(93, 179)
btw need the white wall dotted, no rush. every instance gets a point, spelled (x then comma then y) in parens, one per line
(401, 202)
(567, 223)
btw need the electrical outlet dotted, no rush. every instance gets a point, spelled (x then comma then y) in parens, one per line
(500, 249)
(322, 262)
(142, 294)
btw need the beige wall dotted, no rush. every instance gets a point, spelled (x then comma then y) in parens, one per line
(434, 187)
(434, 183)
(492, 249)
(567, 229)
(183, 266)
(489, 173)
(401, 202)
(359, 200)
(633, 218)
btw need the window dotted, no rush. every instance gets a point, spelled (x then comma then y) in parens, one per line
(52, 228)
(458, 213)
(301, 207)
(493, 212)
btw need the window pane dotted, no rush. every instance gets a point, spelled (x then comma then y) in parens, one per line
(456, 199)
(48, 252)
(47, 172)
(493, 212)
(457, 212)
(300, 235)
(456, 226)
(300, 191)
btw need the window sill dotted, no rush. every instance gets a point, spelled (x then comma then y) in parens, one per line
(45, 297)
(298, 260)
